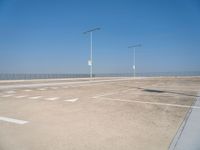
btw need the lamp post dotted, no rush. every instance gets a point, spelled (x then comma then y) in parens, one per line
(134, 55)
(90, 62)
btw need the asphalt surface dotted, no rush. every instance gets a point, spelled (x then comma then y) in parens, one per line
(102, 114)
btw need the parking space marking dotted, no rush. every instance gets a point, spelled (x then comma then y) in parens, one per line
(71, 100)
(27, 90)
(6, 95)
(35, 97)
(42, 89)
(52, 98)
(10, 92)
(11, 120)
(150, 103)
(21, 96)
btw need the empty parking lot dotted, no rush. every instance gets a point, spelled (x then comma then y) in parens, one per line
(103, 113)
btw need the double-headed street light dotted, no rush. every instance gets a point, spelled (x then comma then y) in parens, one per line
(90, 62)
(134, 65)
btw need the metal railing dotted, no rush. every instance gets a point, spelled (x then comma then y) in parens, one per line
(14, 76)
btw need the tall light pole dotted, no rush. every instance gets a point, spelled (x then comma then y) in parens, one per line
(134, 65)
(90, 62)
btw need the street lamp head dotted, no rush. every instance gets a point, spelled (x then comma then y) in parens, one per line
(138, 45)
(91, 30)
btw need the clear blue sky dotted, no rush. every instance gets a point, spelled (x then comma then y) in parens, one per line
(45, 36)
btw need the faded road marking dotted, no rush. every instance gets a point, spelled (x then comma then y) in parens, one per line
(71, 100)
(151, 103)
(42, 89)
(35, 97)
(28, 90)
(11, 120)
(10, 92)
(6, 95)
(21, 96)
(52, 98)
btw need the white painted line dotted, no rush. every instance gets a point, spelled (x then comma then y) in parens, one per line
(11, 120)
(42, 89)
(27, 90)
(6, 95)
(35, 97)
(71, 100)
(151, 103)
(52, 98)
(10, 92)
(21, 96)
